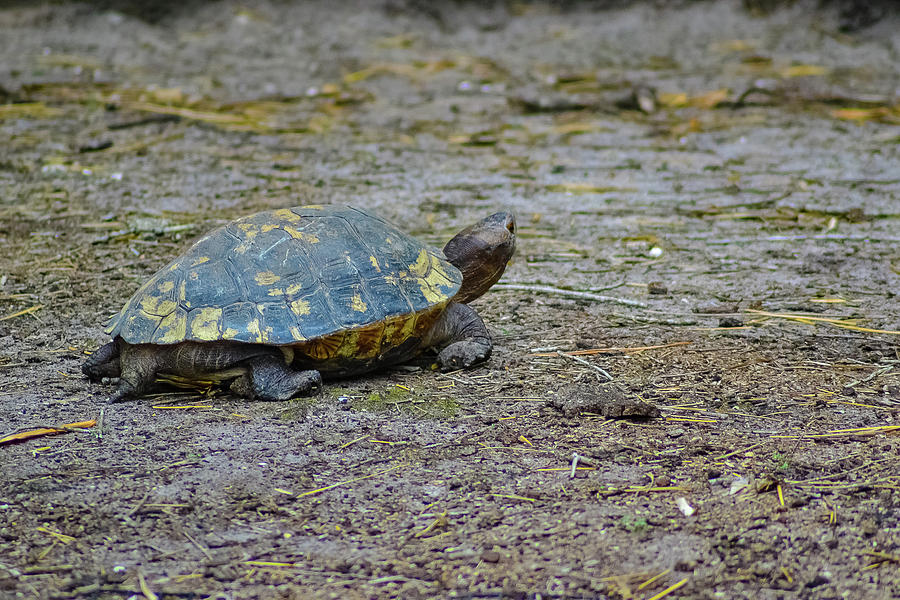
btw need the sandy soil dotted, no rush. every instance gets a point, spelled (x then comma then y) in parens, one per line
(707, 196)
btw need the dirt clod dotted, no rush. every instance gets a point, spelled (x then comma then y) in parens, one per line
(605, 400)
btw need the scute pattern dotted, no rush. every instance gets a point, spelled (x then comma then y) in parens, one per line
(292, 276)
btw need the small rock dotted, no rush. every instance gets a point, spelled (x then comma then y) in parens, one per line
(657, 288)
(730, 322)
(95, 146)
(490, 556)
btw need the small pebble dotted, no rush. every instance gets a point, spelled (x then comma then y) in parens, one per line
(730, 322)
(490, 556)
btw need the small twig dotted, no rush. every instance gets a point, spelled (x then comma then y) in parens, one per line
(140, 504)
(202, 548)
(145, 589)
(546, 289)
(611, 350)
(354, 480)
(585, 363)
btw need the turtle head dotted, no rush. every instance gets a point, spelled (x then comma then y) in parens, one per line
(481, 252)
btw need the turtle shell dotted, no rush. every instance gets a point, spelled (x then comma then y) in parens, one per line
(327, 280)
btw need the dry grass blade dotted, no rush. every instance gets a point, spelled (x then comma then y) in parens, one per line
(187, 113)
(348, 481)
(835, 321)
(24, 435)
(26, 311)
(34, 110)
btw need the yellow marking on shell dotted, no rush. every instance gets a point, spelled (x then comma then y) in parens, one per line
(166, 286)
(200, 260)
(173, 327)
(229, 334)
(144, 317)
(314, 206)
(181, 292)
(286, 214)
(374, 262)
(194, 276)
(174, 266)
(154, 305)
(269, 227)
(249, 229)
(357, 304)
(266, 278)
(253, 327)
(205, 325)
(299, 235)
(276, 292)
(392, 279)
(295, 333)
(293, 289)
(300, 307)
(438, 275)
(420, 267)
(432, 294)
(431, 275)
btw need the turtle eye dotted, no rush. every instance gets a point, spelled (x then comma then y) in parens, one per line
(511, 226)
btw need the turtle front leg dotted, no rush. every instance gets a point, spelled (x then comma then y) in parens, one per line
(465, 339)
(269, 378)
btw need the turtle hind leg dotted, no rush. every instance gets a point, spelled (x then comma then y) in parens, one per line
(102, 363)
(139, 364)
(269, 378)
(465, 339)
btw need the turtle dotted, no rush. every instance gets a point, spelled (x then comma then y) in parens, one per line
(272, 302)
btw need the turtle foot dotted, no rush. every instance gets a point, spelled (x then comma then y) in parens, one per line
(463, 354)
(274, 382)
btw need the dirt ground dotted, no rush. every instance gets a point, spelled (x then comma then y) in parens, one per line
(707, 196)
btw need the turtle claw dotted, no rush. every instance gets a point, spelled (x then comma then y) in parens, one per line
(118, 397)
(463, 354)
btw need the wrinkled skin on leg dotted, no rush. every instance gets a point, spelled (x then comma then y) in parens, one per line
(269, 378)
(463, 336)
(262, 371)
